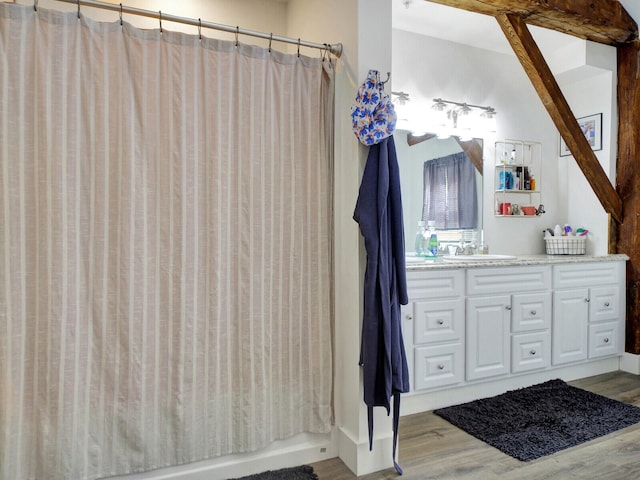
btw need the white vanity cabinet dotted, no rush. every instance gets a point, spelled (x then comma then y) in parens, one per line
(508, 320)
(435, 321)
(467, 328)
(588, 311)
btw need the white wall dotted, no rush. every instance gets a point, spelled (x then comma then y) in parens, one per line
(261, 15)
(423, 67)
(590, 88)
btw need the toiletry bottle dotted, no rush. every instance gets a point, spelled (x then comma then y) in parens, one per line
(432, 250)
(527, 179)
(532, 182)
(512, 160)
(420, 245)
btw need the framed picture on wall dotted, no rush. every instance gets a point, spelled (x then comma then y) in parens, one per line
(591, 126)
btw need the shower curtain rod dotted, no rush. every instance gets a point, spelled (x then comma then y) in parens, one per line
(335, 48)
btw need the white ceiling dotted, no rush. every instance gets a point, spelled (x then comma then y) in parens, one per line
(482, 31)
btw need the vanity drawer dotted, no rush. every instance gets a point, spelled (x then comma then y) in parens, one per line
(604, 303)
(530, 351)
(499, 280)
(438, 321)
(438, 366)
(587, 274)
(435, 284)
(530, 311)
(604, 339)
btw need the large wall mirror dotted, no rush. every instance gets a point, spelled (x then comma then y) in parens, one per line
(441, 178)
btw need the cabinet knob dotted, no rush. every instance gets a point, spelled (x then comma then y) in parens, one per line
(533, 312)
(441, 367)
(508, 307)
(586, 300)
(606, 304)
(532, 352)
(409, 316)
(606, 340)
(440, 322)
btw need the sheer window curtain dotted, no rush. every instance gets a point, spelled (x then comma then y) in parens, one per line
(450, 192)
(165, 246)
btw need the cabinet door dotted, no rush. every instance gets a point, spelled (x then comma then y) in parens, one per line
(570, 326)
(488, 336)
(407, 333)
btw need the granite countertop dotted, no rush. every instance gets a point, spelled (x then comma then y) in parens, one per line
(441, 263)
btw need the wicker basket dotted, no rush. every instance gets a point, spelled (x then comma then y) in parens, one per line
(566, 245)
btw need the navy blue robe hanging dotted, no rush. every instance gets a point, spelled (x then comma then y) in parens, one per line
(379, 214)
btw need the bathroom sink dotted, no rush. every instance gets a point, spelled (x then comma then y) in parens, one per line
(478, 258)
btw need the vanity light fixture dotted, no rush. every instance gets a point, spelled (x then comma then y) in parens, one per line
(463, 119)
(401, 97)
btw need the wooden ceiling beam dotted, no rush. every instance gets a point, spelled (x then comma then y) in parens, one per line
(534, 64)
(602, 21)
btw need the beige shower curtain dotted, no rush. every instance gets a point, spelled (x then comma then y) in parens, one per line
(165, 246)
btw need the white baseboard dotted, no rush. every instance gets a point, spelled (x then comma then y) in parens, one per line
(630, 363)
(357, 457)
(299, 450)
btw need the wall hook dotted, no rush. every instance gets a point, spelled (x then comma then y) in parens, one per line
(382, 84)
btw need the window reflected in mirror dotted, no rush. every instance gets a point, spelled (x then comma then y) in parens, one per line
(441, 180)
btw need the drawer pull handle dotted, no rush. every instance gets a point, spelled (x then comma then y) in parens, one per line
(508, 307)
(606, 340)
(440, 322)
(533, 312)
(441, 367)
(533, 352)
(409, 316)
(606, 304)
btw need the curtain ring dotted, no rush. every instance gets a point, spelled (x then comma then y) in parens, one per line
(35, 5)
(78, 2)
(120, 14)
(298, 47)
(237, 33)
(200, 29)
(160, 18)
(270, 40)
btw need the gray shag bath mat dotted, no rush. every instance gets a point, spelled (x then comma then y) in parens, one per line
(535, 421)
(304, 472)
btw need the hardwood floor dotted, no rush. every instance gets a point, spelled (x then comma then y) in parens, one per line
(432, 448)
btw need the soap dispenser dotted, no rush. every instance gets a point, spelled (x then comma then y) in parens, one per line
(420, 244)
(432, 246)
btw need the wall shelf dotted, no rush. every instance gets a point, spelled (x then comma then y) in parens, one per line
(518, 168)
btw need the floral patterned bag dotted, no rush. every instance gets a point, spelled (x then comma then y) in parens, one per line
(373, 116)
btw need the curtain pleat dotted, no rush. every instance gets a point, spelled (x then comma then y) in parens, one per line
(165, 246)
